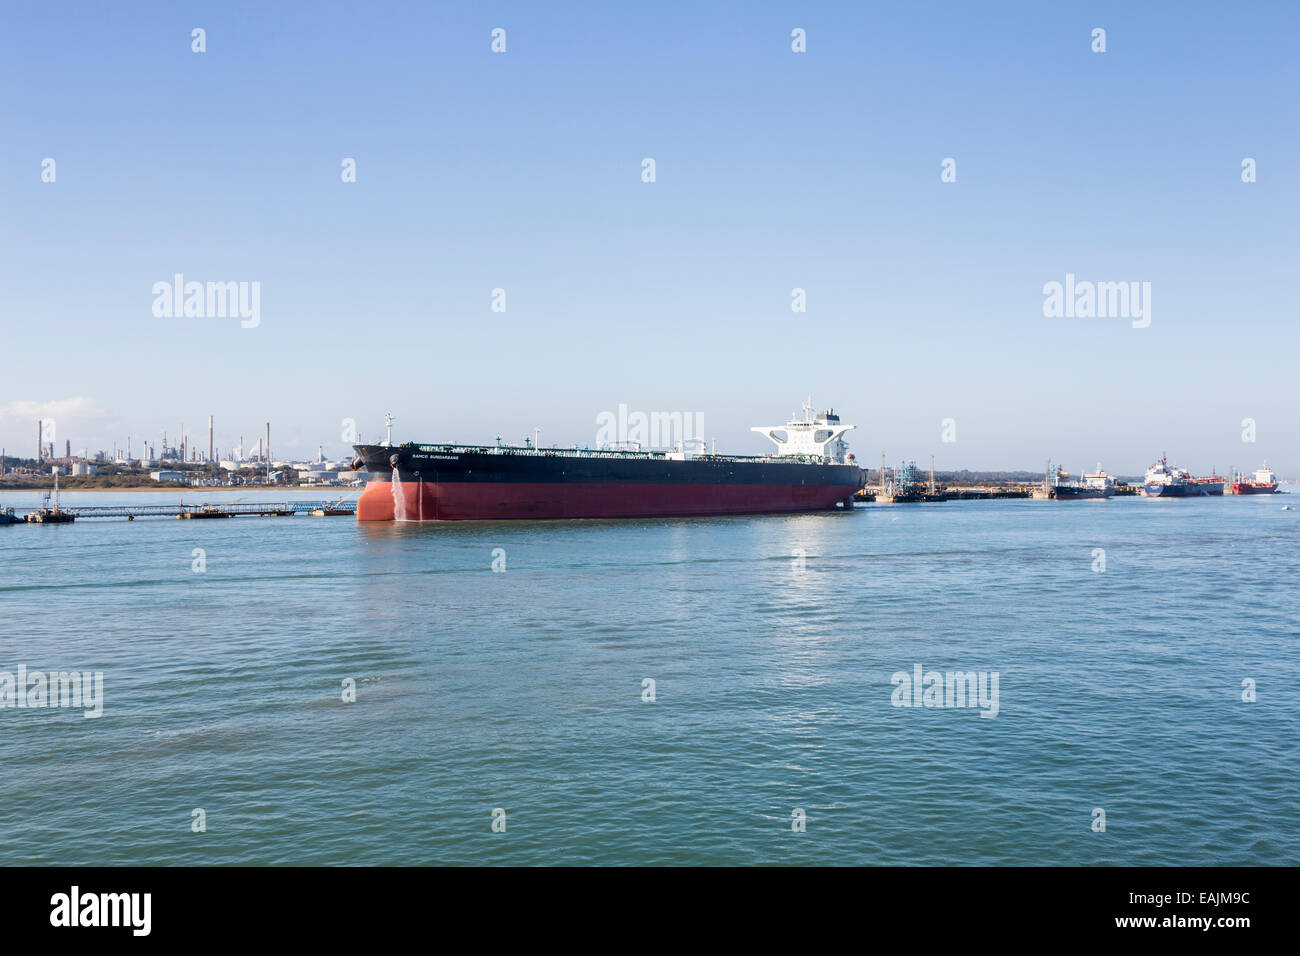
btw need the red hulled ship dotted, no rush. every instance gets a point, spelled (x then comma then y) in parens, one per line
(450, 482)
(1262, 482)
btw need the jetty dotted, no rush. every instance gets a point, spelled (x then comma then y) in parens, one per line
(283, 509)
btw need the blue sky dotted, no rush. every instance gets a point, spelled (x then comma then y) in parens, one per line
(774, 170)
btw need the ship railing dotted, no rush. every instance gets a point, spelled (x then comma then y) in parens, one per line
(608, 453)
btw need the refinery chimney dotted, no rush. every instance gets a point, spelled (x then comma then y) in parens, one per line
(40, 442)
(209, 439)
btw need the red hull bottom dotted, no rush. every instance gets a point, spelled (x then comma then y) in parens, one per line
(1246, 488)
(495, 501)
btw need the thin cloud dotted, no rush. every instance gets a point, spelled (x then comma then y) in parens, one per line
(78, 408)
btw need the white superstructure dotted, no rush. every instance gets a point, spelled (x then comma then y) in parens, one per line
(816, 435)
(1099, 479)
(1265, 476)
(1162, 474)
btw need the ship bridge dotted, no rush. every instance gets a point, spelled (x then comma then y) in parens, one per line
(818, 435)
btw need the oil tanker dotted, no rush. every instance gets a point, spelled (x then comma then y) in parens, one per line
(811, 470)
(1263, 482)
(1164, 480)
(1061, 488)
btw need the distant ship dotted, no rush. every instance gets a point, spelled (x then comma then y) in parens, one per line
(1101, 481)
(812, 470)
(203, 511)
(1164, 480)
(50, 512)
(1263, 482)
(1062, 488)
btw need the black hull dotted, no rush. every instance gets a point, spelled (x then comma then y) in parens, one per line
(457, 483)
(416, 464)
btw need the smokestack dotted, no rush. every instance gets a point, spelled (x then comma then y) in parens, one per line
(40, 442)
(209, 439)
(268, 445)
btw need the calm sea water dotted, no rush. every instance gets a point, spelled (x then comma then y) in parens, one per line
(1119, 689)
